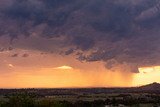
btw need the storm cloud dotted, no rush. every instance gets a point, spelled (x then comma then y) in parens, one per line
(113, 31)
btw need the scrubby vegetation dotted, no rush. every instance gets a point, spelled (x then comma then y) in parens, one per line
(31, 100)
(145, 96)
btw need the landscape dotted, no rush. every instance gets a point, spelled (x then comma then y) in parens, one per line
(143, 96)
(79, 53)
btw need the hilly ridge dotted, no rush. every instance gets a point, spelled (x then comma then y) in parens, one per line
(152, 86)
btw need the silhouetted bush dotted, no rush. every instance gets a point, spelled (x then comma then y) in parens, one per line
(20, 100)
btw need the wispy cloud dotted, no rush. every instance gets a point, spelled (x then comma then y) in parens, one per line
(11, 65)
(64, 68)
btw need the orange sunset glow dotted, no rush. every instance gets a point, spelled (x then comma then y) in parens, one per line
(147, 75)
(55, 71)
(79, 43)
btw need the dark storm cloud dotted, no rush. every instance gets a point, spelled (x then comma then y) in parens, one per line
(25, 55)
(114, 31)
(2, 49)
(14, 55)
(68, 52)
(83, 43)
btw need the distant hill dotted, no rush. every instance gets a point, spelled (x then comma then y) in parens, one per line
(149, 88)
(153, 86)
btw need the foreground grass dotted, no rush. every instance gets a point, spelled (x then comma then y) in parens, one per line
(31, 100)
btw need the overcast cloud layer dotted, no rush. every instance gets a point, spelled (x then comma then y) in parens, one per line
(118, 32)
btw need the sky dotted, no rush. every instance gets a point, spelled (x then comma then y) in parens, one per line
(79, 43)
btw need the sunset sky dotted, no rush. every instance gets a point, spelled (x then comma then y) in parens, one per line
(79, 43)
